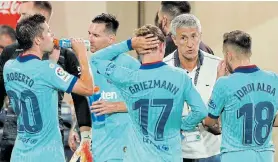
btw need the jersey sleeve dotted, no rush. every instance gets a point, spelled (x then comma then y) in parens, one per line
(217, 99)
(198, 108)
(116, 72)
(56, 77)
(129, 61)
(119, 75)
(110, 52)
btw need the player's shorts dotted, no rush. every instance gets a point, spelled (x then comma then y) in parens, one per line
(248, 155)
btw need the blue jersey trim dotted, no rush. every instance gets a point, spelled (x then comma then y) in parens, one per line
(129, 44)
(246, 69)
(72, 83)
(27, 57)
(152, 65)
(212, 116)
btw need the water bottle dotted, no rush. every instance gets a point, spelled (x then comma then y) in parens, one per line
(97, 120)
(66, 43)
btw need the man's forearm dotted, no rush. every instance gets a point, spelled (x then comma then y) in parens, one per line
(112, 51)
(121, 107)
(86, 77)
(74, 126)
(82, 110)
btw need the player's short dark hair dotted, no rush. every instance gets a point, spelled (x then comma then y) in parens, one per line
(110, 21)
(150, 29)
(43, 5)
(7, 30)
(239, 39)
(175, 8)
(29, 28)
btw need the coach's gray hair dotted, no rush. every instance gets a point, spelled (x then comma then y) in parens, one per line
(185, 20)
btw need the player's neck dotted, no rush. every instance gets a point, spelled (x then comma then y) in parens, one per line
(150, 58)
(188, 64)
(241, 63)
(33, 51)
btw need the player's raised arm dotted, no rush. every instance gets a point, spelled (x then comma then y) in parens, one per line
(198, 108)
(85, 84)
(119, 74)
(62, 80)
(137, 43)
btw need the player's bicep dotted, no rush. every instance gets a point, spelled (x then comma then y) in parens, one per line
(58, 78)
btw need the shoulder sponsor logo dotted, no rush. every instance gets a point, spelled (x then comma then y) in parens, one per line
(62, 74)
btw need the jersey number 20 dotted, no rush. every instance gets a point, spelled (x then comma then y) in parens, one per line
(30, 120)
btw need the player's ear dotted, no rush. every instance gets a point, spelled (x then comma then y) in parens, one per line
(174, 37)
(164, 21)
(162, 48)
(112, 39)
(37, 40)
(229, 56)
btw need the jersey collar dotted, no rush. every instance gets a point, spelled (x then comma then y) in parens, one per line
(27, 57)
(246, 69)
(152, 65)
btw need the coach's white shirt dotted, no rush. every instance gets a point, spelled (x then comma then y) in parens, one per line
(200, 143)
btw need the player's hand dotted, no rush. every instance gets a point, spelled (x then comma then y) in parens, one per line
(78, 46)
(103, 107)
(221, 69)
(54, 56)
(216, 129)
(84, 150)
(73, 139)
(144, 44)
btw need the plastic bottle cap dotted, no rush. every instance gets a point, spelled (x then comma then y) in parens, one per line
(56, 42)
(96, 89)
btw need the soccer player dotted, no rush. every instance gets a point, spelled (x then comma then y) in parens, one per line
(109, 140)
(154, 95)
(247, 102)
(32, 86)
(64, 58)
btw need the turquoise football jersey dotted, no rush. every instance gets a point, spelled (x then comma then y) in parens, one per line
(247, 103)
(32, 85)
(109, 140)
(155, 95)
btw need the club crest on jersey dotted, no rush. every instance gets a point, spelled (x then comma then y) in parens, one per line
(211, 104)
(62, 74)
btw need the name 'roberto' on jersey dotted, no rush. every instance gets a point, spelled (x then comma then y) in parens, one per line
(15, 76)
(150, 84)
